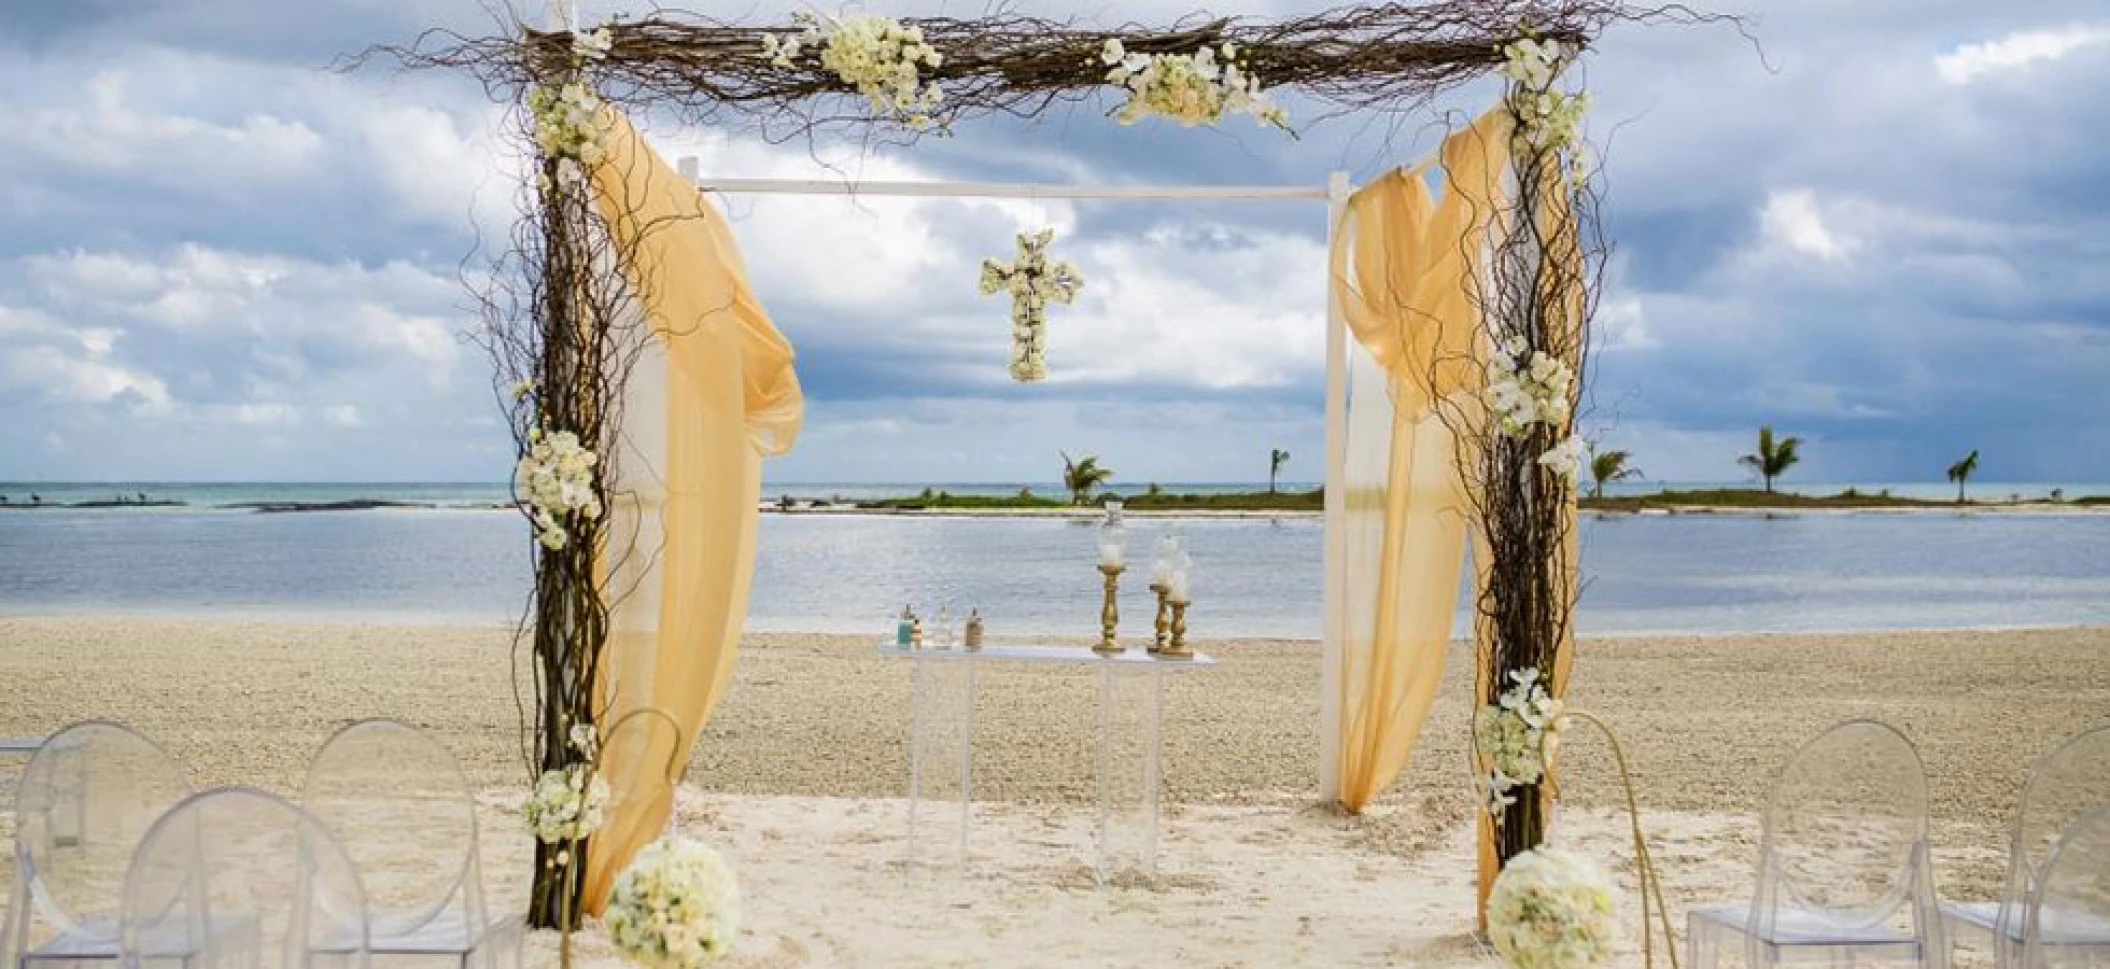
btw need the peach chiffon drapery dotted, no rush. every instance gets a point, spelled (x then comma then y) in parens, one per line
(1403, 263)
(711, 394)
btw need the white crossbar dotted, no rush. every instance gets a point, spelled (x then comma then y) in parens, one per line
(771, 186)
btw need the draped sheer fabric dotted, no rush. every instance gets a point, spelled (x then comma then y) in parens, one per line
(1402, 262)
(712, 394)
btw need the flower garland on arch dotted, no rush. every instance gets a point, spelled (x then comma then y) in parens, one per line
(879, 56)
(1191, 89)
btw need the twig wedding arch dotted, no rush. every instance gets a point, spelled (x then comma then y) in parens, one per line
(555, 306)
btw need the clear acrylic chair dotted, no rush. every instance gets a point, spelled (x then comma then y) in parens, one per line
(1843, 870)
(400, 805)
(2066, 924)
(237, 878)
(2065, 784)
(83, 802)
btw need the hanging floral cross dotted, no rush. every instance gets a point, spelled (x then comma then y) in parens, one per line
(1032, 282)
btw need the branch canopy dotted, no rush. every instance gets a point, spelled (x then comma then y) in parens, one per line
(1390, 57)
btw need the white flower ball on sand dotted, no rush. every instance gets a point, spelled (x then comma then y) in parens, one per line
(677, 906)
(1553, 909)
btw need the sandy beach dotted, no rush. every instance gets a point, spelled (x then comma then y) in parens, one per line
(801, 775)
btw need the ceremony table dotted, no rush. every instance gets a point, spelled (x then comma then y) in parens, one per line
(1130, 747)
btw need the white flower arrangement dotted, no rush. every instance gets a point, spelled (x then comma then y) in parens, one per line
(1033, 283)
(1552, 909)
(1551, 119)
(676, 906)
(556, 477)
(567, 804)
(879, 56)
(1191, 89)
(1516, 738)
(567, 116)
(1527, 387)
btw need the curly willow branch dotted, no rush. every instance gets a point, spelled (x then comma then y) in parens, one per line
(1390, 58)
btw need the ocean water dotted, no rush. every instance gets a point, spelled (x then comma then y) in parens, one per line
(1253, 577)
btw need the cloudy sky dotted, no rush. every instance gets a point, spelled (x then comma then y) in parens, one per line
(1891, 235)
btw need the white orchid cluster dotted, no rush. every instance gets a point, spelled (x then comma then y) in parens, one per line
(1551, 119)
(1191, 89)
(676, 906)
(1566, 459)
(569, 804)
(1516, 737)
(567, 116)
(556, 477)
(1033, 283)
(1527, 387)
(879, 56)
(1553, 909)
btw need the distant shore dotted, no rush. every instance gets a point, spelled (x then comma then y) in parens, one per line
(1299, 503)
(1293, 504)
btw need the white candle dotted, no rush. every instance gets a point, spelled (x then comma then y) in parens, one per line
(1178, 586)
(1161, 573)
(1109, 553)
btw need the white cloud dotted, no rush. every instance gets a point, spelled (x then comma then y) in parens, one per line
(301, 313)
(264, 415)
(1792, 221)
(1969, 62)
(436, 172)
(868, 254)
(1208, 306)
(66, 377)
(1016, 439)
(111, 133)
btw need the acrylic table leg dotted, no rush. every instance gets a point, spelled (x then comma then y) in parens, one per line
(917, 715)
(966, 759)
(941, 759)
(1104, 868)
(1153, 766)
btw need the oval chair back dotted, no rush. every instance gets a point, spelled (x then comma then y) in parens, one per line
(2067, 925)
(1844, 838)
(238, 878)
(2063, 786)
(83, 803)
(401, 807)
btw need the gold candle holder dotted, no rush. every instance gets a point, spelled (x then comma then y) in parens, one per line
(1110, 613)
(1177, 648)
(1164, 624)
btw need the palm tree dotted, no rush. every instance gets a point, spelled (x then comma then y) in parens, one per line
(1773, 458)
(1083, 475)
(1275, 460)
(1609, 466)
(1961, 472)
